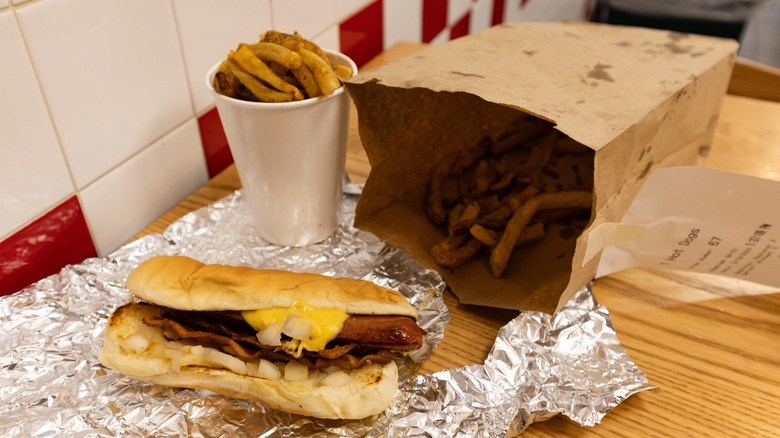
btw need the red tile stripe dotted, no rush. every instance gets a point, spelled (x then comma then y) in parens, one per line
(461, 28)
(361, 35)
(59, 238)
(498, 12)
(434, 19)
(215, 144)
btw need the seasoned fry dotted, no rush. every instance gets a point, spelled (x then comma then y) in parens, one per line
(224, 81)
(484, 235)
(270, 52)
(499, 257)
(343, 72)
(276, 63)
(540, 154)
(488, 237)
(293, 42)
(500, 254)
(527, 129)
(449, 257)
(524, 195)
(323, 73)
(470, 213)
(306, 79)
(259, 90)
(465, 226)
(455, 214)
(244, 57)
(471, 155)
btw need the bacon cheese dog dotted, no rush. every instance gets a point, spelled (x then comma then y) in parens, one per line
(303, 343)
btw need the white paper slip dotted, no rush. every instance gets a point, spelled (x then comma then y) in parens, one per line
(696, 219)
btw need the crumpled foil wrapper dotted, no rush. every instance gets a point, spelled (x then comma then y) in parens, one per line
(52, 384)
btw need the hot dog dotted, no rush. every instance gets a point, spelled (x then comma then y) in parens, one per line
(304, 343)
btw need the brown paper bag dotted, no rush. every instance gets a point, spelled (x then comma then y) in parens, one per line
(638, 98)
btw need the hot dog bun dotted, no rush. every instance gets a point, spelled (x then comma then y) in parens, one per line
(143, 353)
(183, 283)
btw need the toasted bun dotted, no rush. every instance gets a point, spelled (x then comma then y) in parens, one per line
(183, 283)
(369, 391)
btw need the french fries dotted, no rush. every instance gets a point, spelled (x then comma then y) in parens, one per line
(280, 67)
(498, 195)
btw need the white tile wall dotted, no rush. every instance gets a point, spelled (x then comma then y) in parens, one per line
(308, 17)
(209, 29)
(481, 16)
(328, 38)
(402, 21)
(346, 8)
(33, 174)
(456, 9)
(112, 74)
(135, 194)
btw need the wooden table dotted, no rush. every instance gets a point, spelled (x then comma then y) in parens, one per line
(710, 344)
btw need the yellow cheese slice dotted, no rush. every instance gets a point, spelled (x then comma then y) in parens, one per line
(313, 327)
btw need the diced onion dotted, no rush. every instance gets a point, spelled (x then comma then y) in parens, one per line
(217, 358)
(270, 335)
(267, 370)
(135, 343)
(315, 376)
(175, 356)
(181, 356)
(297, 327)
(296, 371)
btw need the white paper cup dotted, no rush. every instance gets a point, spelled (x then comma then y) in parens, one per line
(290, 158)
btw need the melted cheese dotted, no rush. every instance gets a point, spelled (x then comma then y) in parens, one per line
(310, 327)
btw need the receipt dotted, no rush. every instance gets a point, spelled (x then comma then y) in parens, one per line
(696, 219)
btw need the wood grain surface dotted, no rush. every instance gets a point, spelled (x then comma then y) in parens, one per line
(710, 344)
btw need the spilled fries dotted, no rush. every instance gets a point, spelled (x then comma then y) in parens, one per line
(280, 67)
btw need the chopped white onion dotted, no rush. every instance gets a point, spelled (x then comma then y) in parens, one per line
(297, 327)
(270, 335)
(181, 356)
(296, 371)
(215, 357)
(267, 370)
(175, 356)
(135, 343)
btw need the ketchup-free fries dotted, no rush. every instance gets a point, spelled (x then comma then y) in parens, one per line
(491, 196)
(280, 67)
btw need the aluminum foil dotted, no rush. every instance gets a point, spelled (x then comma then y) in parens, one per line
(52, 384)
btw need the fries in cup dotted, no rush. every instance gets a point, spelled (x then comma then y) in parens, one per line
(280, 67)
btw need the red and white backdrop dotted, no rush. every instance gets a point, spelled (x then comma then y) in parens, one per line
(105, 122)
